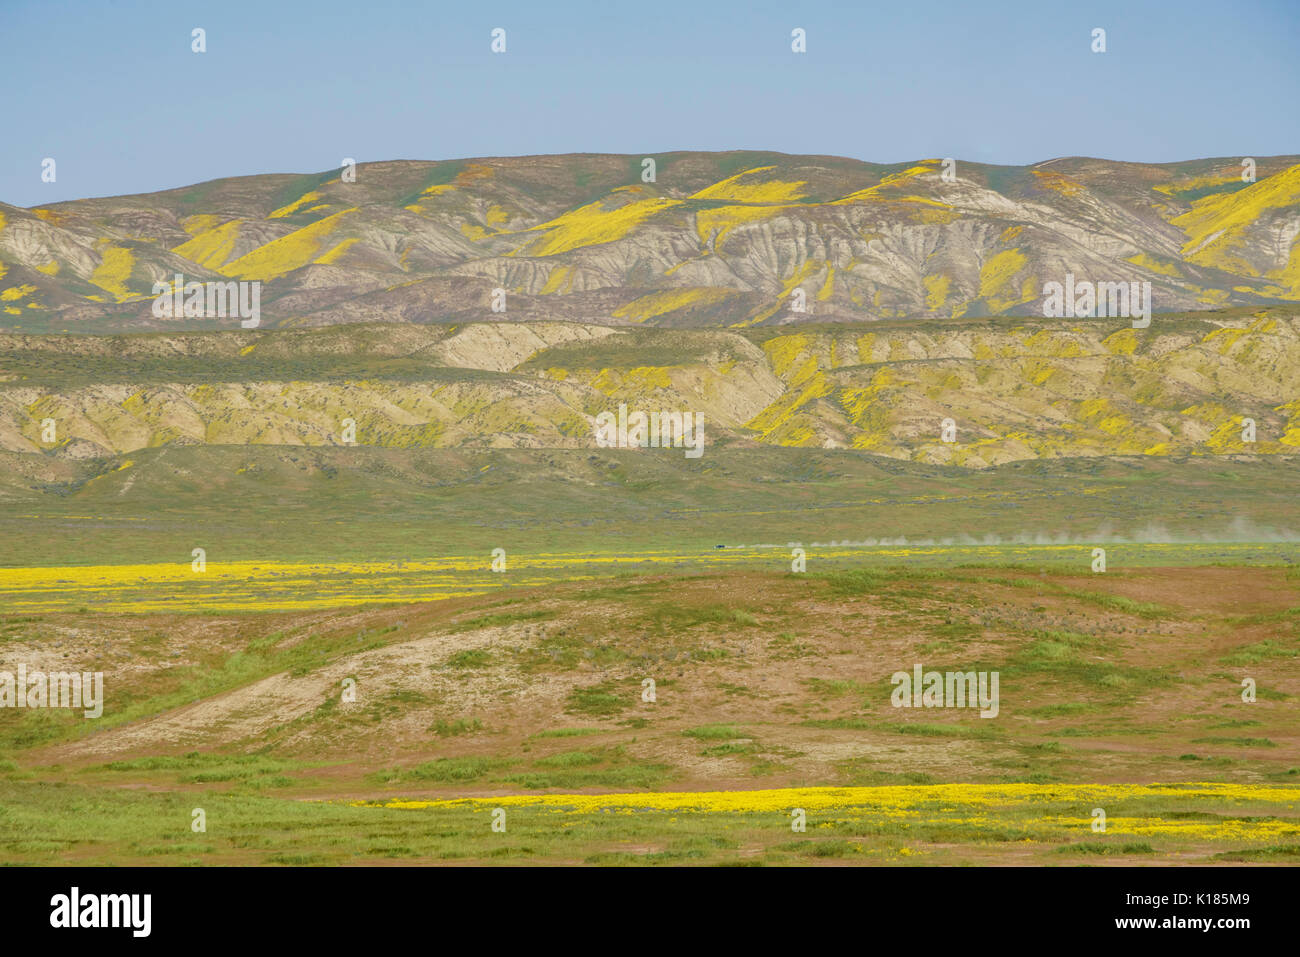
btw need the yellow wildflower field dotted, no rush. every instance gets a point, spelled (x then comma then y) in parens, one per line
(920, 823)
(298, 586)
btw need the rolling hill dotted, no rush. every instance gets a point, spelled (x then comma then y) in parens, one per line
(1014, 389)
(716, 240)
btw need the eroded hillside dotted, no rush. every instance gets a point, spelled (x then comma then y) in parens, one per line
(1014, 389)
(714, 239)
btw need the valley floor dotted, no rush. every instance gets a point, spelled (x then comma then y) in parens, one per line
(1120, 692)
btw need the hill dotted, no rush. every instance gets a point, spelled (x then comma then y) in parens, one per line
(715, 240)
(1014, 389)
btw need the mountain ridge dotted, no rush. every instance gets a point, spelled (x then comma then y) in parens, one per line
(716, 240)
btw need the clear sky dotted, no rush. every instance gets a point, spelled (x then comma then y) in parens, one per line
(111, 90)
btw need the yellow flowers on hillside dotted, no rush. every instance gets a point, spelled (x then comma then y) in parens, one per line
(997, 279)
(593, 224)
(295, 206)
(283, 255)
(14, 293)
(668, 301)
(113, 271)
(1215, 225)
(742, 189)
(713, 225)
(937, 287)
(212, 247)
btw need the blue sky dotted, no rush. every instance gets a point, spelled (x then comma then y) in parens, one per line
(111, 90)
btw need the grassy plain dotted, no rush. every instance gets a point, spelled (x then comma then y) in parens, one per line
(1119, 691)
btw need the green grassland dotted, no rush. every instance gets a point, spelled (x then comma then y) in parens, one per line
(770, 680)
(46, 823)
(258, 503)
